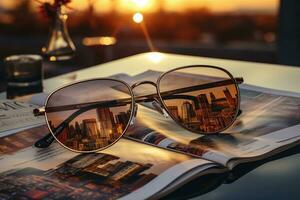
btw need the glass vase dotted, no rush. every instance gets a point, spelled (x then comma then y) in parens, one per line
(59, 46)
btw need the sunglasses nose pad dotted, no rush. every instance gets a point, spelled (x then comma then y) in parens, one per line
(134, 115)
(160, 109)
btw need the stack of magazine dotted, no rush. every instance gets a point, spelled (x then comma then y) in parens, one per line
(153, 159)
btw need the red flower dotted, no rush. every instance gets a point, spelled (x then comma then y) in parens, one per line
(48, 10)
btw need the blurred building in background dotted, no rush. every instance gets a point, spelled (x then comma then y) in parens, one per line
(289, 32)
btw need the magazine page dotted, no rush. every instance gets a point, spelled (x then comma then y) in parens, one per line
(126, 168)
(153, 129)
(270, 120)
(12, 111)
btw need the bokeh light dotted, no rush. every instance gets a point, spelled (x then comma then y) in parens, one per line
(94, 41)
(138, 17)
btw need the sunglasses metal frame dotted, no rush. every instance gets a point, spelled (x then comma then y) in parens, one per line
(49, 138)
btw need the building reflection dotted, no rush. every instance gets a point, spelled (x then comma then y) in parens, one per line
(94, 133)
(206, 113)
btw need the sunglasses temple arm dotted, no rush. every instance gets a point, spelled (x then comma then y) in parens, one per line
(203, 86)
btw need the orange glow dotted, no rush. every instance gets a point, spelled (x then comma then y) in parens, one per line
(155, 57)
(127, 6)
(130, 6)
(137, 5)
(140, 4)
(138, 17)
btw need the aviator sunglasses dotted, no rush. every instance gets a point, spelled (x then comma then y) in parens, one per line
(91, 115)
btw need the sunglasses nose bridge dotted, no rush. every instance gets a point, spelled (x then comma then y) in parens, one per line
(143, 83)
(156, 103)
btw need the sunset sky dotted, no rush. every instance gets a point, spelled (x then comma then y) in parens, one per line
(181, 5)
(168, 5)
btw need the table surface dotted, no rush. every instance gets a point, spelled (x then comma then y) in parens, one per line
(265, 75)
(275, 178)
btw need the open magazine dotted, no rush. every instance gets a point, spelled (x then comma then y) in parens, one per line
(12, 111)
(156, 155)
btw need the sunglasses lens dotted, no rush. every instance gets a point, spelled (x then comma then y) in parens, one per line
(202, 99)
(89, 115)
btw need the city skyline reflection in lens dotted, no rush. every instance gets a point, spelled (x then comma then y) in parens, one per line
(93, 128)
(206, 111)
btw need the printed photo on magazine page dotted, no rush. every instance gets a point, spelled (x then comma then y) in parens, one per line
(127, 168)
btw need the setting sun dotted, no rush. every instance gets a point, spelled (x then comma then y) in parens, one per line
(138, 17)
